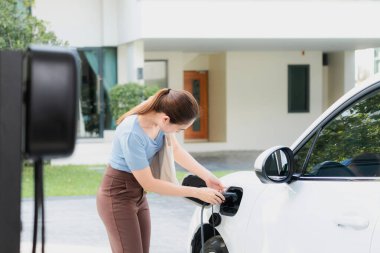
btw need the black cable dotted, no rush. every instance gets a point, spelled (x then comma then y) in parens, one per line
(202, 235)
(38, 204)
(35, 223)
(212, 217)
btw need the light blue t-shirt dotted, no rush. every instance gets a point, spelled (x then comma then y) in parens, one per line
(132, 148)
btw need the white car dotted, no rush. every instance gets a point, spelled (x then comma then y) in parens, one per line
(320, 195)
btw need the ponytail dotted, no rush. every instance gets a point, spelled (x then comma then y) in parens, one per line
(180, 106)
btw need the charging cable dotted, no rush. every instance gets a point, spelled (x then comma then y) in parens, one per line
(202, 233)
(213, 225)
(38, 204)
(230, 197)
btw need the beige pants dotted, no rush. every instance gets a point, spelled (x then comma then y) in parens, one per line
(124, 209)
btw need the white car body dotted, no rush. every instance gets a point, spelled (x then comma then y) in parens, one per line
(318, 215)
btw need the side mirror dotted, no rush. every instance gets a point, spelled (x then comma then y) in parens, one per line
(275, 165)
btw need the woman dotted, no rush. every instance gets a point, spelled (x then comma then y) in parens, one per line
(121, 200)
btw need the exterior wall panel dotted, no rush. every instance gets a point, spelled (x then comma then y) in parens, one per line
(257, 98)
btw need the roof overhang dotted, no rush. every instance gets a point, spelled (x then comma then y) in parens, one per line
(246, 44)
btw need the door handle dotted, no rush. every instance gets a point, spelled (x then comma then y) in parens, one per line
(351, 221)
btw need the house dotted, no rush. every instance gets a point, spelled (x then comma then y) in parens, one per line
(262, 70)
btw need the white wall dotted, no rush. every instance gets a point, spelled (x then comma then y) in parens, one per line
(129, 20)
(259, 19)
(195, 61)
(110, 22)
(256, 96)
(257, 93)
(77, 21)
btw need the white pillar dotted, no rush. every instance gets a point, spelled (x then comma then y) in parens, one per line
(349, 70)
(341, 73)
(130, 62)
(364, 64)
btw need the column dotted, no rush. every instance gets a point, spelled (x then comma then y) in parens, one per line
(130, 61)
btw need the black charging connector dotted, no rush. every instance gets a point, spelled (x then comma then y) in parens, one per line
(233, 197)
(230, 197)
(195, 181)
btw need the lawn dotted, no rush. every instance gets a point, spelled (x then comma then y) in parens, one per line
(73, 180)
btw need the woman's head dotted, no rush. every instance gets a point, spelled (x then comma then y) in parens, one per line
(178, 105)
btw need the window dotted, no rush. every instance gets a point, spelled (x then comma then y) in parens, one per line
(156, 73)
(99, 74)
(298, 88)
(349, 145)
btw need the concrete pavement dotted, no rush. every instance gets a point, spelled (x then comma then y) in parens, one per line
(73, 225)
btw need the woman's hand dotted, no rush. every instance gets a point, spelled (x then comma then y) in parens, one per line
(209, 195)
(213, 182)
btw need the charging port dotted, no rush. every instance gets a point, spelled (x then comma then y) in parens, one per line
(233, 197)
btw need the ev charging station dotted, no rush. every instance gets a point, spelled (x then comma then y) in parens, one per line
(39, 92)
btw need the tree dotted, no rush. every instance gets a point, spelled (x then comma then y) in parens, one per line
(19, 28)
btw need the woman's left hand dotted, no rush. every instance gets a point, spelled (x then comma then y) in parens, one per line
(213, 182)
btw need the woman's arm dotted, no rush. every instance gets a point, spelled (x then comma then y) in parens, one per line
(151, 184)
(183, 158)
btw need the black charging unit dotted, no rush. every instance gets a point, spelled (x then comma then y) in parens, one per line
(51, 96)
(38, 117)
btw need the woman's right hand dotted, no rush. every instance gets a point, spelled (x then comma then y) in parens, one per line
(210, 195)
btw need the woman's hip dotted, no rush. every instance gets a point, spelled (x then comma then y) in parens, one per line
(120, 186)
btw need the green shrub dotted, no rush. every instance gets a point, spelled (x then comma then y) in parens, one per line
(124, 97)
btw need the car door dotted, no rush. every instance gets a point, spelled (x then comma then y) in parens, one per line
(334, 204)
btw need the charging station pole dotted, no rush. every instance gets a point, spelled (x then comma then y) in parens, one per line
(10, 150)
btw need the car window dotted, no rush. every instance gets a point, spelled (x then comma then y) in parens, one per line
(349, 145)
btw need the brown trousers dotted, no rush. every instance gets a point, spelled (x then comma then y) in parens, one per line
(124, 209)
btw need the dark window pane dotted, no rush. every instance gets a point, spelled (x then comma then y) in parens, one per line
(197, 95)
(298, 88)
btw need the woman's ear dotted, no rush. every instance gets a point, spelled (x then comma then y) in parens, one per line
(166, 119)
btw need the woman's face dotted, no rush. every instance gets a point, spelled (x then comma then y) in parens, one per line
(168, 127)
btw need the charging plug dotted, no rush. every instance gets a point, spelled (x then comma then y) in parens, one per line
(195, 181)
(230, 197)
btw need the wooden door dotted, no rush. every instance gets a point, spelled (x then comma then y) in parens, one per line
(196, 83)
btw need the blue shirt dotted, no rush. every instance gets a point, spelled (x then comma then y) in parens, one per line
(132, 148)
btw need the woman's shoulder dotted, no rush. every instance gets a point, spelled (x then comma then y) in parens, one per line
(127, 125)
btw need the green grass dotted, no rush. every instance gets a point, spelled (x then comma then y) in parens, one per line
(64, 180)
(73, 180)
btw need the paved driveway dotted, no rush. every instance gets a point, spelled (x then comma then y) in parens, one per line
(73, 225)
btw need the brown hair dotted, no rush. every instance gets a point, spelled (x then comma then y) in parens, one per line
(179, 105)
